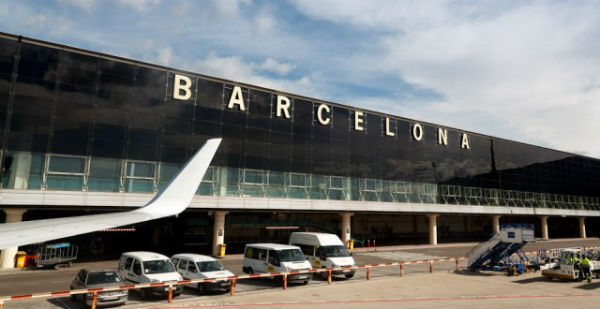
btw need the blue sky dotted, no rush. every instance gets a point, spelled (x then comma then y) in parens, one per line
(522, 70)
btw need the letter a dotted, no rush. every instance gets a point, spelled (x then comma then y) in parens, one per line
(236, 99)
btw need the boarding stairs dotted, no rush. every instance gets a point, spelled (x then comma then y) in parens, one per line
(498, 249)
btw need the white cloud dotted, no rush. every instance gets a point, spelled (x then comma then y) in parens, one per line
(138, 5)
(528, 73)
(276, 66)
(235, 68)
(86, 5)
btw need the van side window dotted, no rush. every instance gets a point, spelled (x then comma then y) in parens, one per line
(320, 253)
(183, 264)
(261, 254)
(308, 250)
(137, 268)
(192, 268)
(128, 263)
(249, 253)
(274, 258)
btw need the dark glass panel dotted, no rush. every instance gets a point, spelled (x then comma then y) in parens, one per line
(206, 128)
(178, 125)
(174, 154)
(108, 132)
(140, 103)
(148, 121)
(107, 149)
(75, 94)
(142, 136)
(173, 108)
(210, 94)
(150, 83)
(303, 115)
(8, 49)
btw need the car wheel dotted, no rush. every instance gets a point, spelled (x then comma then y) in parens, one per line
(250, 270)
(349, 276)
(305, 282)
(143, 293)
(57, 266)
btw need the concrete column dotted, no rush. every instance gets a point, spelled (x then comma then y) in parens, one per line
(544, 220)
(582, 227)
(345, 227)
(432, 229)
(7, 256)
(496, 223)
(218, 230)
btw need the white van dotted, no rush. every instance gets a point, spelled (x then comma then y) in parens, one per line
(266, 258)
(149, 267)
(196, 266)
(323, 251)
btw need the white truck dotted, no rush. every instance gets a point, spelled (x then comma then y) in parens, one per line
(324, 250)
(567, 268)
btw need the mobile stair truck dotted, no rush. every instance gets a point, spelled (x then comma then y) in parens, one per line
(495, 253)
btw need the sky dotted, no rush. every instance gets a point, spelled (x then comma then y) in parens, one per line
(522, 70)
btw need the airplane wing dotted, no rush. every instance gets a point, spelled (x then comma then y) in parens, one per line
(171, 201)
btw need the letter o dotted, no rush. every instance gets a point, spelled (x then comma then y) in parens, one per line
(417, 132)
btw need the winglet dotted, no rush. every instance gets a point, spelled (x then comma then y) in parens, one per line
(181, 189)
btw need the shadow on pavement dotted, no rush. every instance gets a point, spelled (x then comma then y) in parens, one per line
(589, 286)
(467, 272)
(537, 279)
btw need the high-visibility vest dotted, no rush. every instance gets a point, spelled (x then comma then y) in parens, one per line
(585, 262)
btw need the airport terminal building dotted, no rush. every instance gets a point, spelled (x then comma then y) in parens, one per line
(84, 132)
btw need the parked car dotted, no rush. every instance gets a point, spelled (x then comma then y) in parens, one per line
(324, 250)
(196, 266)
(263, 258)
(149, 267)
(89, 279)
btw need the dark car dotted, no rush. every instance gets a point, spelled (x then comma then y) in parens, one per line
(89, 279)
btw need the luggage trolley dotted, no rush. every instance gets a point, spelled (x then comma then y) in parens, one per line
(56, 255)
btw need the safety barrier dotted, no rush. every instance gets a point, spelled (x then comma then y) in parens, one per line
(233, 280)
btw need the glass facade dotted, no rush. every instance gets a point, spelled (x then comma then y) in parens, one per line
(74, 120)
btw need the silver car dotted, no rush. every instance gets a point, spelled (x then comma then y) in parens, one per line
(89, 279)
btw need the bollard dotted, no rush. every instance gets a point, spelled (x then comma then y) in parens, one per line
(94, 300)
(402, 270)
(329, 276)
(368, 243)
(232, 287)
(170, 293)
(285, 282)
(456, 260)
(368, 273)
(373, 243)
(1, 304)
(430, 267)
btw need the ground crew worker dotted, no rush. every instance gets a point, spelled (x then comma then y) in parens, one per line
(586, 267)
(569, 258)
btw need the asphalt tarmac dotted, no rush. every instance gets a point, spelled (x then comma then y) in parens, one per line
(34, 281)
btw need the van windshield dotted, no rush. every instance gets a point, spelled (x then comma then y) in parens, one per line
(335, 251)
(290, 255)
(158, 266)
(209, 266)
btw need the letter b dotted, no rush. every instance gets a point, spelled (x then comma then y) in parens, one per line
(182, 84)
